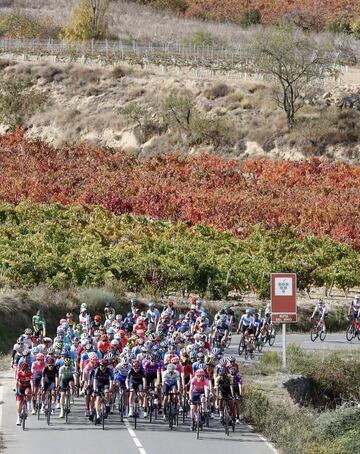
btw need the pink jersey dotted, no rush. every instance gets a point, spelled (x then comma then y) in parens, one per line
(199, 386)
(87, 371)
(37, 368)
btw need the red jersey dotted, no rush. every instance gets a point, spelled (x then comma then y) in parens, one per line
(24, 378)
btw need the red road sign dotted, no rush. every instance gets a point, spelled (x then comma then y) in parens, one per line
(283, 298)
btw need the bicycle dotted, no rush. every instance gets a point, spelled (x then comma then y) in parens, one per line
(228, 419)
(24, 413)
(198, 419)
(136, 414)
(153, 407)
(185, 403)
(259, 343)
(38, 402)
(67, 404)
(268, 334)
(318, 331)
(241, 346)
(172, 410)
(47, 406)
(249, 348)
(121, 403)
(353, 330)
(103, 412)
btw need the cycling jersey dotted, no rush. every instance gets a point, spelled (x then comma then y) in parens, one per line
(171, 377)
(50, 375)
(66, 373)
(246, 320)
(199, 386)
(24, 378)
(103, 377)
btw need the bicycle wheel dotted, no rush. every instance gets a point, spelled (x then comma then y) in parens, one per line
(48, 409)
(170, 415)
(198, 418)
(103, 414)
(322, 335)
(260, 345)
(121, 407)
(241, 347)
(23, 416)
(67, 407)
(247, 353)
(350, 333)
(271, 337)
(226, 420)
(314, 334)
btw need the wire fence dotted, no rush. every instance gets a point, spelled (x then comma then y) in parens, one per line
(197, 59)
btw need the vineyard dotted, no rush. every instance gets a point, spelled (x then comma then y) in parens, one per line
(311, 197)
(62, 246)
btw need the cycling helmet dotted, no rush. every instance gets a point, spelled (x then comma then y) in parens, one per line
(202, 367)
(65, 354)
(170, 367)
(21, 339)
(24, 366)
(221, 371)
(110, 356)
(114, 343)
(47, 340)
(103, 362)
(67, 361)
(51, 361)
(200, 373)
(152, 305)
(231, 359)
(51, 351)
(175, 360)
(136, 364)
(28, 331)
(93, 356)
(118, 317)
(223, 362)
(209, 361)
(26, 352)
(35, 351)
(97, 318)
(40, 357)
(233, 370)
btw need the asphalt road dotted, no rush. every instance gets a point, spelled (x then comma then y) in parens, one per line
(79, 435)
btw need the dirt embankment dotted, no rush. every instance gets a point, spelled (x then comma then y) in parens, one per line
(122, 108)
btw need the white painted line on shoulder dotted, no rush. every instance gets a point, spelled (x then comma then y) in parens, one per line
(270, 446)
(134, 438)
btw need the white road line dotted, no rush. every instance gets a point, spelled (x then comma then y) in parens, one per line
(270, 446)
(135, 439)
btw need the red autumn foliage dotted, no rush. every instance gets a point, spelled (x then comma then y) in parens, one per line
(314, 196)
(317, 13)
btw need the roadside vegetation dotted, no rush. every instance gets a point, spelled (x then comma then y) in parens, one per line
(310, 408)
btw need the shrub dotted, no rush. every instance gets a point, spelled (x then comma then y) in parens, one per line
(179, 6)
(87, 23)
(200, 38)
(269, 363)
(217, 91)
(251, 17)
(355, 28)
(340, 25)
(18, 103)
(207, 130)
(15, 26)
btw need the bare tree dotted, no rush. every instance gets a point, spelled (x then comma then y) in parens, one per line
(295, 63)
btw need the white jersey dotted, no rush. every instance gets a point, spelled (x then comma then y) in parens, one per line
(322, 309)
(355, 305)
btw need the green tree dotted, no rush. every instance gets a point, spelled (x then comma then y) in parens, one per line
(88, 21)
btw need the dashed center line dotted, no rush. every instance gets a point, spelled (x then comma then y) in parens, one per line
(134, 438)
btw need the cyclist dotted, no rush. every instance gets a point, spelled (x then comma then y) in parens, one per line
(198, 392)
(322, 308)
(221, 331)
(152, 369)
(50, 376)
(37, 368)
(224, 392)
(135, 382)
(109, 310)
(354, 309)
(171, 383)
(66, 380)
(153, 314)
(246, 322)
(103, 382)
(39, 325)
(237, 389)
(23, 388)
